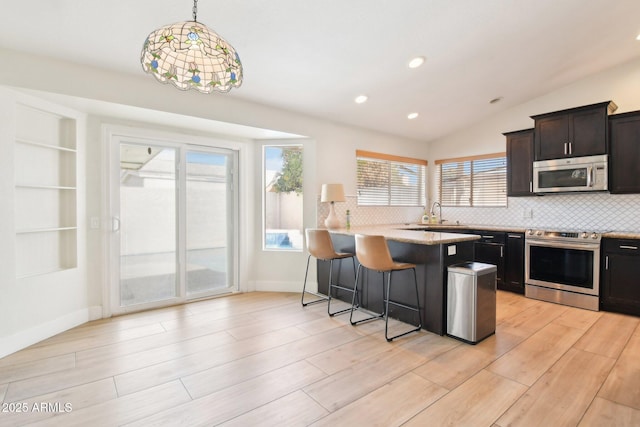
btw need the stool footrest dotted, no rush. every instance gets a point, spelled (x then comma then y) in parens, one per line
(344, 288)
(408, 307)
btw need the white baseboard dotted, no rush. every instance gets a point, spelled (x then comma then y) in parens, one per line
(35, 334)
(280, 286)
(95, 312)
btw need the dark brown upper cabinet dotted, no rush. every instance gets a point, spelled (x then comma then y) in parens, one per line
(520, 163)
(576, 132)
(624, 161)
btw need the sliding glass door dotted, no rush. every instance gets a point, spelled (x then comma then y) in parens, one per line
(209, 226)
(147, 222)
(174, 209)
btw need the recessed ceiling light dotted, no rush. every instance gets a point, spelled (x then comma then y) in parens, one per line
(361, 99)
(638, 38)
(416, 62)
(412, 116)
(495, 100)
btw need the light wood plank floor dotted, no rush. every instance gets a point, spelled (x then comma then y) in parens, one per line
(262, 359)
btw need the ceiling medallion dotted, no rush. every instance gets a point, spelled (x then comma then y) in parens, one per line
(189, 55)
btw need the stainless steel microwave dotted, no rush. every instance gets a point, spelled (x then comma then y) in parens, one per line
(570, 174)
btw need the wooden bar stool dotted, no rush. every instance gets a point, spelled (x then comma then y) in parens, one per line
(373, 253)
(320, 247)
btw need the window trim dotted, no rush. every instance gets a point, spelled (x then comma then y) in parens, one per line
(390, 157)
(471, 158)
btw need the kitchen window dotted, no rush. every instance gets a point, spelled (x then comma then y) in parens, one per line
(282, 197)
(472, 181)
(386, 180)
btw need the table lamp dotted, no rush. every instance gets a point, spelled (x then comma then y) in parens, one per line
(332, 193)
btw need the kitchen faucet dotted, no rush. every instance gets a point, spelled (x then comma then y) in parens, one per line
(440, 220)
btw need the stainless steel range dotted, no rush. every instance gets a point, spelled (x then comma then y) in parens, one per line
(563, 267)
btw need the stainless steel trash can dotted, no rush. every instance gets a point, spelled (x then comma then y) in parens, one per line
(471, 301)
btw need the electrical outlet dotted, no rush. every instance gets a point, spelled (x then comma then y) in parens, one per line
(94, 223)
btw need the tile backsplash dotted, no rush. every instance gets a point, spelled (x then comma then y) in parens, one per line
(368, 215)
(587, 211)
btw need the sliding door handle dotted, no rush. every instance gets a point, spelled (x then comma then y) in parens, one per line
(115, 224)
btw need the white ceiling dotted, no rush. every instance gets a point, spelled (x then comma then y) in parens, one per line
(315, 56)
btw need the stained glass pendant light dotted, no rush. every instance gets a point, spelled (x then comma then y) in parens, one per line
(189, 55)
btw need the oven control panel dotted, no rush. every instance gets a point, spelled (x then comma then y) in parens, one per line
(563, 235)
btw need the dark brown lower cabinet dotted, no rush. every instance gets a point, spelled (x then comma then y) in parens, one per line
(490, 250)
(514, 264)
(620, 284)
(505, 250)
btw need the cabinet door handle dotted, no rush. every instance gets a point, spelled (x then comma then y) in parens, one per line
(501, 251)
(565, 148)
(487, 237)
(570, 148)
(606, 262)
(628, 247)
(514, 236)
(530, 187)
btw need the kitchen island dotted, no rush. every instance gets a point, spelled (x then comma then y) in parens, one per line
(432, 252)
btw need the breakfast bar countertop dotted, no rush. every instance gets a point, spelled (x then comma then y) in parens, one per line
(457, 226)
(399, 233)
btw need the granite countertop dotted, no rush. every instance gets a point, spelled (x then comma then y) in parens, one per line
(621, 235)
(395, 232)
(408, 233)
(452, 226)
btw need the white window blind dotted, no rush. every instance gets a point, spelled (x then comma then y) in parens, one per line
(385, 180)
(473, 181)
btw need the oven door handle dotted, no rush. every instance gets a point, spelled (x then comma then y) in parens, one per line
(563, 245)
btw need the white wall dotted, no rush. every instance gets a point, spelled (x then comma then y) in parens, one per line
(37, 306)
(589, 211)
(329, 157)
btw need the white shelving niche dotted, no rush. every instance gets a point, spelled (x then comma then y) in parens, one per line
(45, 192)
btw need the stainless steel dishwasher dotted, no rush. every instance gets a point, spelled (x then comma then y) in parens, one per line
(471, 301)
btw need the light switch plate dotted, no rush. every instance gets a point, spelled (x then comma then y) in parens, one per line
(451, 250)
(94, 222)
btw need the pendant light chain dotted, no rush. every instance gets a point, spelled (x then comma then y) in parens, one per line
(195, 10)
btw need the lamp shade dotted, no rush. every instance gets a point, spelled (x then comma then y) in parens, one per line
(332, 193)
(189, 55)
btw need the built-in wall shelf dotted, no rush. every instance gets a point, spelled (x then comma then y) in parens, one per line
(44, 145)
(45, 187)
(45, 191)
(45, 230)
